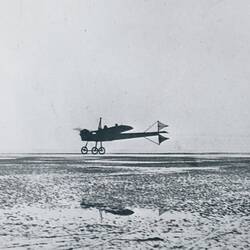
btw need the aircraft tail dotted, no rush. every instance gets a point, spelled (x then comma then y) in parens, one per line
(161, 126)
(162, 139)
(159, 132)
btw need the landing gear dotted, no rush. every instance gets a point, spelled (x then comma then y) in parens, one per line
(84, 150)
(102, 150)
(95, 150)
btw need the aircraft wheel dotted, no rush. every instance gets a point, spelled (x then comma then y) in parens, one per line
(94, 150)
(102, 151)
(84, 150)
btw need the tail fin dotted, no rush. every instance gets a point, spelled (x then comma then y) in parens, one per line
(161, 125)
(162, 139)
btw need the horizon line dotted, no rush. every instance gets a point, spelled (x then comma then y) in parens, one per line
(120, 153)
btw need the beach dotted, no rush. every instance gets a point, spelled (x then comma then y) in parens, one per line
(177, 201)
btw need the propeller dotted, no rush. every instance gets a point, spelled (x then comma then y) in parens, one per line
(77, 129)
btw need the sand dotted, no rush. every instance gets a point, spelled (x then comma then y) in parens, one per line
(179, 201)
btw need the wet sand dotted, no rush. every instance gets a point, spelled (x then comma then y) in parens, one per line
(179, 201)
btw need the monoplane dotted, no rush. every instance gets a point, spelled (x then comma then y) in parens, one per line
(117, 132)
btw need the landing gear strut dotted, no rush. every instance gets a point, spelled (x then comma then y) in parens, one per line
(95, 150)
(101, 149)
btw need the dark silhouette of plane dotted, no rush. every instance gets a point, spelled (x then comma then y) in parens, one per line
(117, 132)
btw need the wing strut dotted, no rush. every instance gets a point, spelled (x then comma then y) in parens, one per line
(160, 126)
(151, 140)
(150, 127)
(160, 139)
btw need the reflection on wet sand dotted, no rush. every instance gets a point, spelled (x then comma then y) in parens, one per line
(101, 207)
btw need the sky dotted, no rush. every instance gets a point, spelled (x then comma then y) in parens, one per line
(65, 63)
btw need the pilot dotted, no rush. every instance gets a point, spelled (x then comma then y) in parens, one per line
(116, 125)
(105, 127)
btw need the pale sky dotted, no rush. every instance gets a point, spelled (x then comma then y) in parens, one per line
(65, 63)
